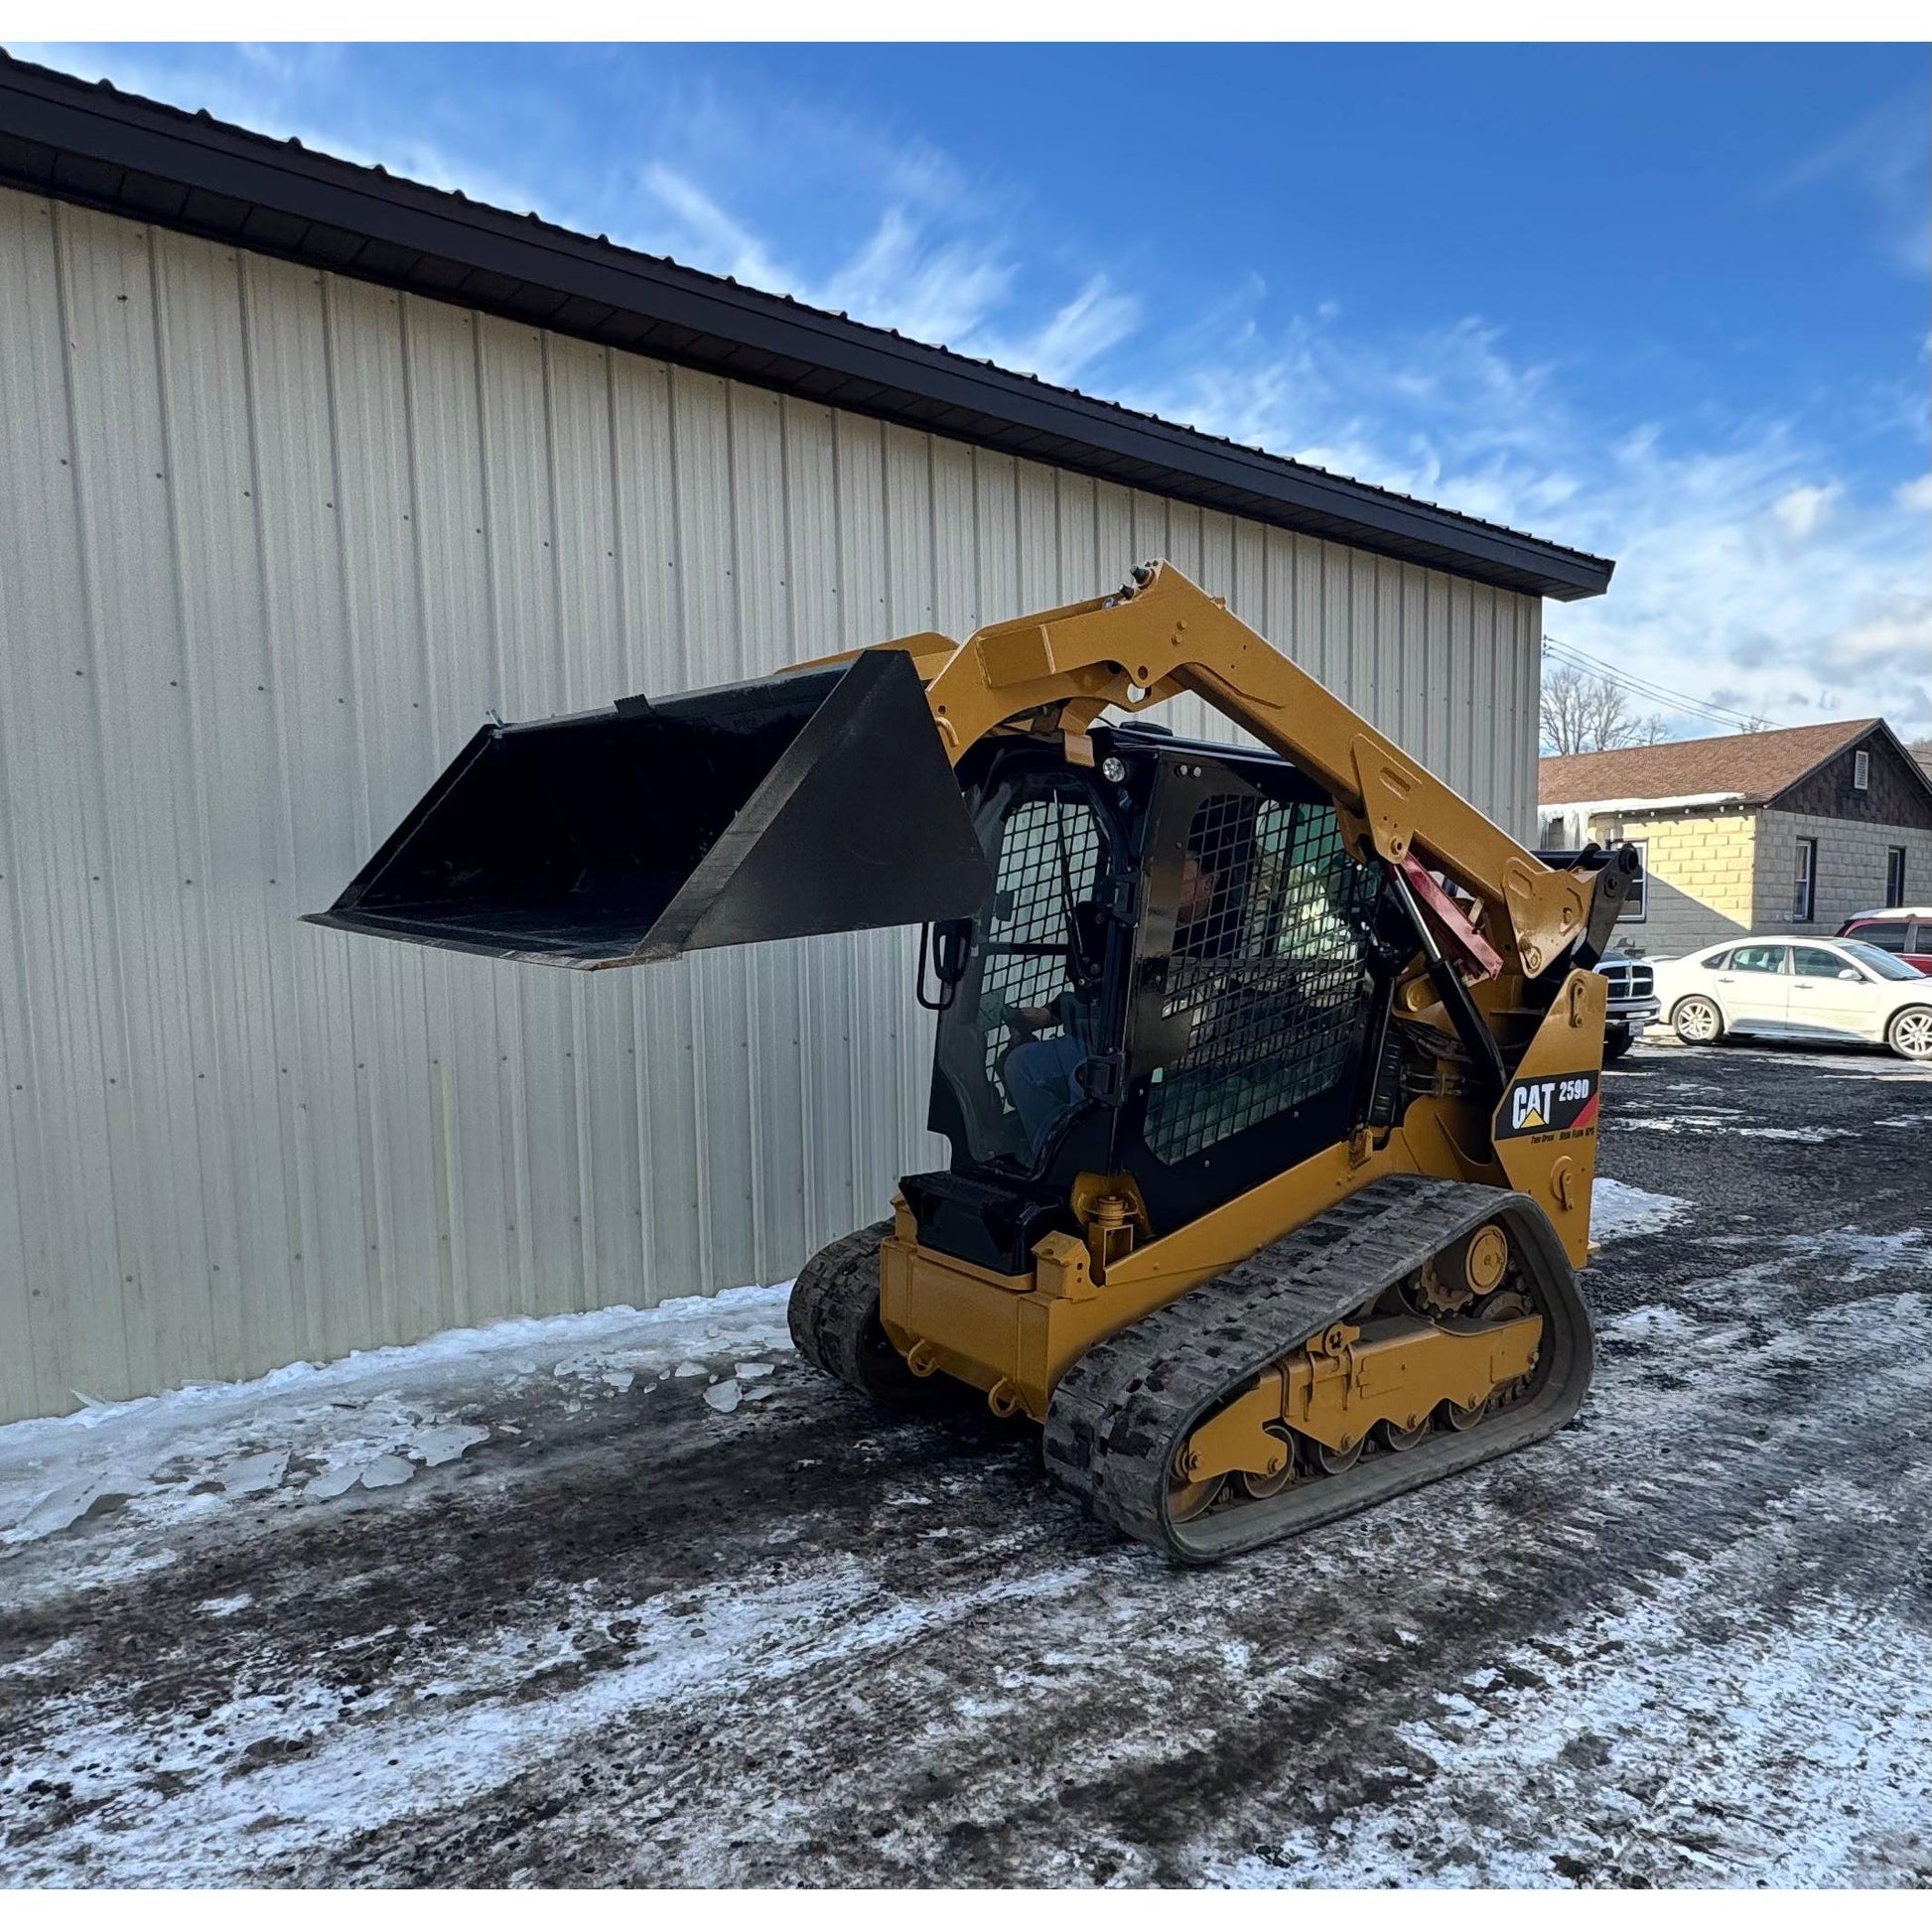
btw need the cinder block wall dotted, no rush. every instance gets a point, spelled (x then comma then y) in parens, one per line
(1701, 880)
(1850, 868)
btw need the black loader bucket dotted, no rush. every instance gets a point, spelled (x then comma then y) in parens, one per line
(814, 801)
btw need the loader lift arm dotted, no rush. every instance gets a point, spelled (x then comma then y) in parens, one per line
(1162, 635)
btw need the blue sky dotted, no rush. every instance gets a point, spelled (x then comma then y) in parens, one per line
(1666, 303)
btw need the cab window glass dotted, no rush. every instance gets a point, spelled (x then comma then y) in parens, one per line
(1718, 962)
(1887, 966)
(1757, 959)
(1815, 963)
(1888, 935)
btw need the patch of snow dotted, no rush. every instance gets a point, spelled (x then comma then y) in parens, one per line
(1757, 1762)
(370, 1419)
(1724, 1120)
(381, 1760)
(224, 1605)
(37, 1663)
(1651, 1323)
(1617, 1209)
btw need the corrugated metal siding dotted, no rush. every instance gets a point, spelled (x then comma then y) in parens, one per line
(270, 544)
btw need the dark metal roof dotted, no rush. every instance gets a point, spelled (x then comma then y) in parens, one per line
(89, 143)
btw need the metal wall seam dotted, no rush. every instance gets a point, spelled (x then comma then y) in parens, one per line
(296, 534)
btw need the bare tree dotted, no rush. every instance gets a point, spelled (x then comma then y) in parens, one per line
(1580, 713)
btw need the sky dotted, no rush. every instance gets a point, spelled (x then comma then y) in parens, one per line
(1669, 305)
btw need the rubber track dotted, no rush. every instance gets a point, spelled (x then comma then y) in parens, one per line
(834, 1297)
(1121, 1412)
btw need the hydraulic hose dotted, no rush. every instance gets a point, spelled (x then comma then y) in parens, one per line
(1477, 1041)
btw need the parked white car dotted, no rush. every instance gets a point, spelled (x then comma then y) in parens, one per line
(1817, 989)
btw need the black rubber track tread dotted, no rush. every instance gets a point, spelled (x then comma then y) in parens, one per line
(1121, 1412)
(834, 1320)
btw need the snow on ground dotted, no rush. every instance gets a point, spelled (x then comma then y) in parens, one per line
(637, 1597)
(1618, 1210)
(309, 1433)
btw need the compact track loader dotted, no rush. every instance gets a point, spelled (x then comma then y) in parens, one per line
(1270, 1076)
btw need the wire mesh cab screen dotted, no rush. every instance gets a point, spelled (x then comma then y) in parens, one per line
(1031, 1009)
(1261, 1003)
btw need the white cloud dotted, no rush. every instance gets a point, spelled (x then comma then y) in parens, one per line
(1916, 496)
(1737, 570)
(1075, 336)
(1884, 157)
(713, 237)
(1802, 510)
(936, 291)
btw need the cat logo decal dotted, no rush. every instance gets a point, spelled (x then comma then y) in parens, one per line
(1565, 1103)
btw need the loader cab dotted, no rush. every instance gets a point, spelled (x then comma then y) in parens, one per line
(1177, 975)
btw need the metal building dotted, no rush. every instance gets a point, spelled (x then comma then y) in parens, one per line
(302, 469)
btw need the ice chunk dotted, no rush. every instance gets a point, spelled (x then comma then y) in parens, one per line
(690, 1368)
(723, 1395)
(751, 1371)
(334, 1482)
(447, 1441)
(386, 1471)
(253, 1473)
(619, 1378)
(58, 1510)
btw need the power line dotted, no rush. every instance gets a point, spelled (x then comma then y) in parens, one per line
(1675, 701)
(1649, 687)
(1644, 687)
(1649, 690)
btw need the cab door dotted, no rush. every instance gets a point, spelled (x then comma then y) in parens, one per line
(1829, 993)
(1754, 987)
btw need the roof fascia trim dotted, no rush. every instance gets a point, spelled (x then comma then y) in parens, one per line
(206, 157)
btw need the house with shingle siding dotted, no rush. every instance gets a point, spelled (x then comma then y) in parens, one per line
(1772, 831)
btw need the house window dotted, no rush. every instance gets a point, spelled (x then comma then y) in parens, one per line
(1804, 883)
(1637, 906)
(1895, 874)
(1861, 771)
